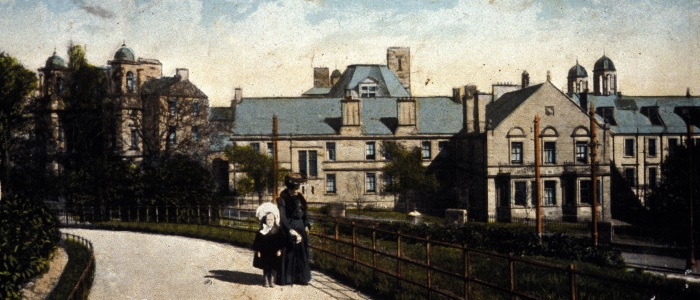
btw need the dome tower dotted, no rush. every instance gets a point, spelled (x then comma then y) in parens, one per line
(577, 80)
(604, 77)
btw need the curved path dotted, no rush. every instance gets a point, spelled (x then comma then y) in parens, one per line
(147, 266)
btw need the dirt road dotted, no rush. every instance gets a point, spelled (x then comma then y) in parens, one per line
(146, 266)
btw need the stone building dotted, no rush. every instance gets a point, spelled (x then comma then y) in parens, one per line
(333, 133)
(149, 114)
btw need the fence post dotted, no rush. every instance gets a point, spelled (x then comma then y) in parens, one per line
(374, 247)
(511, 273)
(572, 280)
(157, 214)
(199, 215)
(427, 261)
(354, 245)
(209, 216)
(398, 254)
(465, 258)
(337, 238)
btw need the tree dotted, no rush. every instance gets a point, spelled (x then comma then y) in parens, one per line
(16, 86)
(669, 201)
(178, 180)
(257, 167)
(409, 178)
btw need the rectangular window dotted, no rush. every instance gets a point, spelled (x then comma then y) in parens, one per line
(516, 152)
(425, 150)
(672, 146)
(550, 152)
(368, 90)
(330, 150)
(271, 149)
(255, 146)
(585, 192)
(651, 144)
(371, 183)
(308, 163)
(195, 108)
(388, 182)
(371, 151)
(195, 134)
(172, 135)
(442, 148)
(134, 138)
(330, 183)
(520, 195)
(652, 177)
(629, 147)
(582, 152)
(172, 107)
(629, 177)
(549, 194)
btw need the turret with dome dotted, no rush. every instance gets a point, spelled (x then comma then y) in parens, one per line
(577, 81)
(604, 77)
(124, 53)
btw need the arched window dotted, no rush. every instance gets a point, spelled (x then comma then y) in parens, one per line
(130, 82)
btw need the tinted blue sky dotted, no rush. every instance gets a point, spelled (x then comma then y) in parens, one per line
(269, 48)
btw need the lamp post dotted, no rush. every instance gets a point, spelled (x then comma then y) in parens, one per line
(538, 191)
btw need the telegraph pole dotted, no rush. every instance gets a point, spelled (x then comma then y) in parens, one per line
(275, 160)
(594, 176)
(538, 194)
(691, 263)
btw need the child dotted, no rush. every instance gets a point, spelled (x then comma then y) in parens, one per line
(269, 243)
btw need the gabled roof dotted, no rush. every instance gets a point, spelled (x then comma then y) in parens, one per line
(388, 83)
(323, 116)
(498, 110)
(172, 86)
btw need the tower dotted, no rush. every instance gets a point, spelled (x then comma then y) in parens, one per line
(398, 59)
(604, 77)
(577, 80)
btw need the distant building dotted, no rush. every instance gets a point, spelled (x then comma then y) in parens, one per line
(150, 114)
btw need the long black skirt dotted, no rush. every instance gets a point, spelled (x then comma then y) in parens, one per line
(295, 261)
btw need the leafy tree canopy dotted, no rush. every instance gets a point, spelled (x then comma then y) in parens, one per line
(409, 178)
(258, 169)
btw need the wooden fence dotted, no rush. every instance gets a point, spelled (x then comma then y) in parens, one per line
(440, 270)
(81, 290)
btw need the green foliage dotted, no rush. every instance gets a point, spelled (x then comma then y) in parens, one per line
(28, 236)
(178, 180)
(410, 179)
(669, 201)
(258, 169)
(16, 85)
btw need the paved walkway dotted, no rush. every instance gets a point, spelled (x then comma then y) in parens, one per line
(146, 266)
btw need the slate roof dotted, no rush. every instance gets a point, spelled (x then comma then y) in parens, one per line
(388, 83)
(631, 119)
(317, 91)
(500, 109)
(322, 116)
(172, 86)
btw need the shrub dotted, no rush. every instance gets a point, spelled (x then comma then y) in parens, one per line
(28, 236)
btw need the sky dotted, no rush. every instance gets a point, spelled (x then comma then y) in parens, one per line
(270, 47)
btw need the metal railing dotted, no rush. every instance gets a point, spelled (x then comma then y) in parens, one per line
(81, 290)
(440, 269)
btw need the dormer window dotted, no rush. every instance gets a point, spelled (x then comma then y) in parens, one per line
(368, 88)
(652, 112)
(608, 114)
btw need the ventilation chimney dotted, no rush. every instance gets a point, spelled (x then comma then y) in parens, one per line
(183, 74)
(237, 96)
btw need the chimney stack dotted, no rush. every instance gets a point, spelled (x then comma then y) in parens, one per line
(322, 78)
(525, 80)
(183, 74)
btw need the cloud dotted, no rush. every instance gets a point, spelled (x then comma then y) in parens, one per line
(94, 9)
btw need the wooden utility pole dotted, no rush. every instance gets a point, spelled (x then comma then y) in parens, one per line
(275, 160)
(594, 176)
(538, 189)
(691, 263)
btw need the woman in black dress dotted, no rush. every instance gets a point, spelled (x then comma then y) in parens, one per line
(294, 222)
